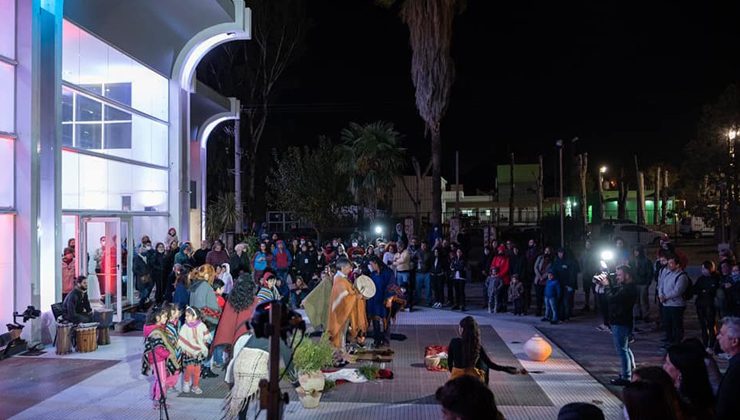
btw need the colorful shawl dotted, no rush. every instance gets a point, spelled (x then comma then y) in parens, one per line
(157, 338)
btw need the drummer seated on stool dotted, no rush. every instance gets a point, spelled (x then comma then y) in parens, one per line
(76, 305)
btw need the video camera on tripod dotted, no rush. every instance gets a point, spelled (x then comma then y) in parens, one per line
(12, 341)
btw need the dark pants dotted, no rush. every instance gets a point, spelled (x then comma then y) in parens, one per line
(673, 323)
(459, 292)
(707, 323)
(450, 290)
(438, 286)
(604, 307)
(501, 297)
(518, 306)
(412, 289)
(540, 297)
(527, 296)
(379, 334)
(160, 285)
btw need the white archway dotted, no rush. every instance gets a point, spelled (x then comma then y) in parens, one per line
(203, 135)
(181, 86)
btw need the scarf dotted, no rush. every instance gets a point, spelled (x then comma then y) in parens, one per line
(250, 366)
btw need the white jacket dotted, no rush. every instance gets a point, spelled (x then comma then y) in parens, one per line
(194, 340)
(671, 285)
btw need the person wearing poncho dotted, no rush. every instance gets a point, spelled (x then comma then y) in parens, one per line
(347, 308)
(316, 303)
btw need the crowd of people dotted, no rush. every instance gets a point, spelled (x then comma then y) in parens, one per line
(203, 299)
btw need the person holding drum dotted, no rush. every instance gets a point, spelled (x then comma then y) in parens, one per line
(76, 305)
(382, 278)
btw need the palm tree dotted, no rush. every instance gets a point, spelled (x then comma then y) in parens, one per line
(371, 156)
(432, 71)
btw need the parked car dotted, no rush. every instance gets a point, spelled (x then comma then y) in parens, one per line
(636, 234)
(694, 227)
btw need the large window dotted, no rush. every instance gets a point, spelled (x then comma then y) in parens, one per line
(93, 65)
(114, 106)
(90, 182)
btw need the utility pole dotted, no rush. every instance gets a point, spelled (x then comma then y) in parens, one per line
(559, 145)
(238, 178)
(457, 184)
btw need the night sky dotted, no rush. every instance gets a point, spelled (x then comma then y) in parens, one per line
(623, 77)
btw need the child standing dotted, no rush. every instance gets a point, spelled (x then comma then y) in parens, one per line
(552, 295)
(218, 288)
(516, 290)
(494, 283)
(173, 332)
(193, 340)
(159, 355)
(227, 279)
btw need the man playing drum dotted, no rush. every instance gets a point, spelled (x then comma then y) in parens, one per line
(346, 308)
(76, 305)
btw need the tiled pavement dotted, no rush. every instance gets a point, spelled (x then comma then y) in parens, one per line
(120, 392)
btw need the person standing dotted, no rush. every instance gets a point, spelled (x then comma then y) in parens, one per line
(217, 255)
(438, 274)
(156, 262)
(541, 268)
(402, 266)
(566, 271)
(423, 275)
(643, 271)
(377, 312)
(457, 267)
(143, 276)
(200, 255)
(589, 268)
(672, 283)
(68, 271)
(531, 255)
(501, 263)
(621, 296)
(705, 290)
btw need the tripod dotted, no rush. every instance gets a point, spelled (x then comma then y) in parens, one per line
(162, 395)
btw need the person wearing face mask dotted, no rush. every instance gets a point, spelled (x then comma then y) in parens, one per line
(76, 305)
(143, 276)
(355, 252)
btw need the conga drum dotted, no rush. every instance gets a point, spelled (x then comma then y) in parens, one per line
(64, 338)
(104, 318)
(87, 337)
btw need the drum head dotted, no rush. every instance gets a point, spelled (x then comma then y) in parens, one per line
(365, 286)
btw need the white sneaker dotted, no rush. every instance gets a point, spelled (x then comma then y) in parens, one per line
(197, 390)
(186, 387)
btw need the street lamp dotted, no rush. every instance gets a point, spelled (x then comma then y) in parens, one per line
(602, 171)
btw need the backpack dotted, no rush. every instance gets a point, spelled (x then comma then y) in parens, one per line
(688, 294)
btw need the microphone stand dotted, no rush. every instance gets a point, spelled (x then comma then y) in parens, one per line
(274, 401)
(162, 396)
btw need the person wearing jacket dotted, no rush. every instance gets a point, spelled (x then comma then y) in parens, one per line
(185, 256)
(203, 297)
(566, 271)
(281, 261)
(621, 297)
(239, 261)
(553, 293)
(217, 255)
(672, 284)
(501, 263)
(260, 261)
(457, 267)
(156, 262)
(306, 262)
(438, 275)
(705, 289)
(377, 312)
(541, 267)
(642, 269)
(142, 276)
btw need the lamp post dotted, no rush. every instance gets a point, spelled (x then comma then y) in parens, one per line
(602, 171)
(559, 145)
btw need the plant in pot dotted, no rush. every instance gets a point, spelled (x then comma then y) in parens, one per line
(310, 357)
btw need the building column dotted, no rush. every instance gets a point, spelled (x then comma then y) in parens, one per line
(38, 155)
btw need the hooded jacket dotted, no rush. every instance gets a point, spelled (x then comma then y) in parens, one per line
(203, 296)
(182, 258)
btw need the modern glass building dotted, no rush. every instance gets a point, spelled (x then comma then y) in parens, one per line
(102, 137)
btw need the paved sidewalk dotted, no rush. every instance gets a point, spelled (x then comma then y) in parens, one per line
(119, 391)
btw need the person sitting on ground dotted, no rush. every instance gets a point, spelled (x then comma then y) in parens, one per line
(466, 355)
(580, 411)
(76, 305)
(466, 398)
(268, 291)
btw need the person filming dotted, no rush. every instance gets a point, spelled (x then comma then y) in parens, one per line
(621, 295)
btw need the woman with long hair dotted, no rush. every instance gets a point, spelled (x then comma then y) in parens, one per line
(658, 376)
(237, 313)
(466, 355)
(647, 401)
(686, 367)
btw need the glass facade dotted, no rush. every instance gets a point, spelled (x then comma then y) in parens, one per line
(114, 129)
(7, 157)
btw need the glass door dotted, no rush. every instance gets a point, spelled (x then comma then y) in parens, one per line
(101, 239)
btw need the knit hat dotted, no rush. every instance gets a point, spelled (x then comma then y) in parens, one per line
(268, 275)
